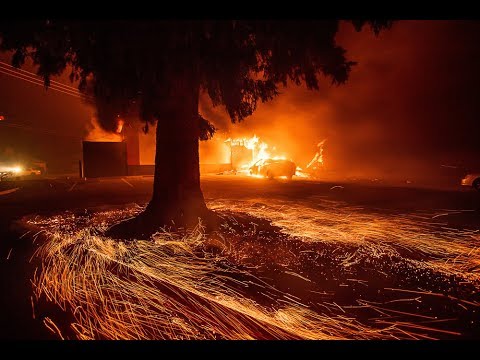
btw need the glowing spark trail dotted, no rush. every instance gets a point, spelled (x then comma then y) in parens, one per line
(175, 287)
(161, 289)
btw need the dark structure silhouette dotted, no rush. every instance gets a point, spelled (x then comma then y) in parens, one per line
(104, 159)
(154, 70)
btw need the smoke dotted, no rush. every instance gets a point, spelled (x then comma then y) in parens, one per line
(408, 108)
(97, 133)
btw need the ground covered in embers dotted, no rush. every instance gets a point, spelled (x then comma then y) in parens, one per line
(272, 271)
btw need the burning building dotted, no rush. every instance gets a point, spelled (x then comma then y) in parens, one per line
(131, 151)
(118, 154)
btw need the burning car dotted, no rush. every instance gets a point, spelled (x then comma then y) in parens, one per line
(272, 168)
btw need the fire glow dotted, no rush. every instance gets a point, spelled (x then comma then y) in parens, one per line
(13, 169)
(259, 150)
(120, 124)
(96, 133)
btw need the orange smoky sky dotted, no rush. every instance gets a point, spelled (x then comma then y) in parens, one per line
(410, 104)
(41, 124)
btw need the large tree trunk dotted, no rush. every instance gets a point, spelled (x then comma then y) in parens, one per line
(176, 188)
(177, 199)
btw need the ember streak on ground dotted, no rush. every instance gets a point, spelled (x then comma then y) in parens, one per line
(323, 269)
(340, 211)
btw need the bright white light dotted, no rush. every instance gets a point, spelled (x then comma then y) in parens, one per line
(15, 169)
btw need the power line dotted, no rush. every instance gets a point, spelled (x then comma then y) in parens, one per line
(38, 81)
(32, 78)
(36, 76)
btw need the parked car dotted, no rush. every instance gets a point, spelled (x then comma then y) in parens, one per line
(472, 180)
(271, 168)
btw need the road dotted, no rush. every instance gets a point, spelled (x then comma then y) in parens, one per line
(67, 193)
(402, 232)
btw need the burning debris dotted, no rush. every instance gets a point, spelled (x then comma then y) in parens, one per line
(253, 157)
(246, 152)
(317, 163)
(249, 156)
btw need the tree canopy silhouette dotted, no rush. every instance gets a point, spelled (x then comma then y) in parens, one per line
(154, 71)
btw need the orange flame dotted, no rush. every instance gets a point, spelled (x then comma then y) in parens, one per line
(96, 132)
(120, 124)
(260, 150)
(317, 161)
